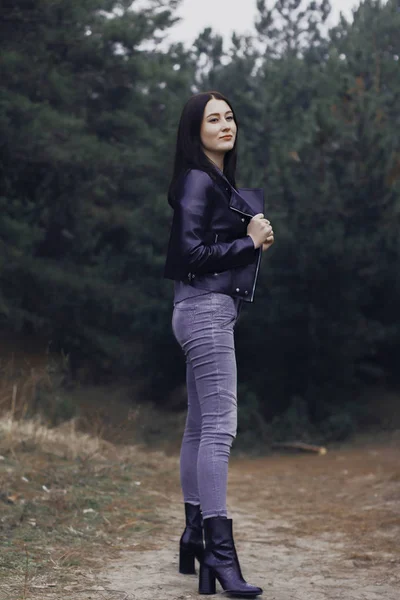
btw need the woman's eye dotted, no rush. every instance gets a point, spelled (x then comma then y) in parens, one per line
(215, 119)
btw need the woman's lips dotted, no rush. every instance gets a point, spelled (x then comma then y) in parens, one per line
(227, 137)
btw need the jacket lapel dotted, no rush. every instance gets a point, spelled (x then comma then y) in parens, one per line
(247, 201)
(253, 197)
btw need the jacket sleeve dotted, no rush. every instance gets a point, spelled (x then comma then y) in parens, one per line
(193, 207)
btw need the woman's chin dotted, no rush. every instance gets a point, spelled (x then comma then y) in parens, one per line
(226, 146)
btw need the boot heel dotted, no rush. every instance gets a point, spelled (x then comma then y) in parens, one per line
(207, 581)
(186, 562)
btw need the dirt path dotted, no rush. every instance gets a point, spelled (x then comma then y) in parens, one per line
(307, 528)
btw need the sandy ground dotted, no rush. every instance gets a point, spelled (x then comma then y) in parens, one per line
(307, 527)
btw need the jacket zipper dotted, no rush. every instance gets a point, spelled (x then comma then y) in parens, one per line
(256, 275)
(241, 212)
(216, 238)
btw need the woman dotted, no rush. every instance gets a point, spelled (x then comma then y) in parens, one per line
(217, 236)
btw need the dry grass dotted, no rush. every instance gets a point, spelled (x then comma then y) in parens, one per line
(19, 386)
(63, 441)
(68, 500)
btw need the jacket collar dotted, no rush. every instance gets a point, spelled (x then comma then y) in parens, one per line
(247, 201)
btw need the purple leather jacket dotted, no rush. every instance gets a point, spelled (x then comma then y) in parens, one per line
(209, 246)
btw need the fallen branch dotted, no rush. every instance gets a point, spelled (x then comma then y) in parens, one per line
(301, 446)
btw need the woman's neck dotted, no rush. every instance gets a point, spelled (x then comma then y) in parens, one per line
(217, 159)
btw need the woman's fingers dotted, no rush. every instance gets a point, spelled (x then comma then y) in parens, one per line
(259, 229)
(268, 230)
(266, 245)
(260, 217)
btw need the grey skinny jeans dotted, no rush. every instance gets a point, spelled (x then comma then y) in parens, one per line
(204, 326)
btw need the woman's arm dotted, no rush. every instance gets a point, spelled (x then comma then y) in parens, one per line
(193, 207)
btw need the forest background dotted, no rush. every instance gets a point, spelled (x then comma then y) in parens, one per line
(90, 97)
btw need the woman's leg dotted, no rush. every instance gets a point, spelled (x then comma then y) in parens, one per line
(190, 442)
(191, 544)
(211, 352)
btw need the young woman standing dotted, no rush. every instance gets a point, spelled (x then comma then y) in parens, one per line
(218, 234)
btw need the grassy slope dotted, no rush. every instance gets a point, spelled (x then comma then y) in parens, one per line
(67, 500)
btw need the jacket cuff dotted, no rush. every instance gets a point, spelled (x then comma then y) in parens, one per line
(252, 241)
(248, 251)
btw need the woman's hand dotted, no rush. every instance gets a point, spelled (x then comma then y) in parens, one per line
(268, 243)
(261, 232)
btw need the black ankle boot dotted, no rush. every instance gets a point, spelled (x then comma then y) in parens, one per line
(221, 561)
(191, 545)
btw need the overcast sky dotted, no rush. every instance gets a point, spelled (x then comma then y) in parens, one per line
(226, 16)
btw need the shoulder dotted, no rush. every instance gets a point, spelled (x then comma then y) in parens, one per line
(196, 182)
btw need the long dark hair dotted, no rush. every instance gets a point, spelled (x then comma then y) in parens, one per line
(189, 153)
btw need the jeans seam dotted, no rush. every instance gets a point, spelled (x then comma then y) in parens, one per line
(216, 490)
(188, 498)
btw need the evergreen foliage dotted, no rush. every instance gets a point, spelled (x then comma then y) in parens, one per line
(90, 97)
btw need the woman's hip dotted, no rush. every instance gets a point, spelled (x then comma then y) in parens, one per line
(209, 317)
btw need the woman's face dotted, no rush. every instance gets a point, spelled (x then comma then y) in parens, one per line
(218, 128)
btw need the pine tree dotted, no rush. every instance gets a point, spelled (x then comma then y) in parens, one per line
(85, 123)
